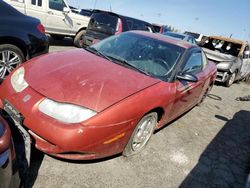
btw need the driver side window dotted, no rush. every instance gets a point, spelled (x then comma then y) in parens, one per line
(56, 5)
(193, 64)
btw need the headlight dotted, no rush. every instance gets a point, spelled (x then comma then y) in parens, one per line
(65, 112)
(17, 80)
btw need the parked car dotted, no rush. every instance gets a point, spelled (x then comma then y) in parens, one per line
(160, 28)
(21, 38)
(9, 176)
(109, 98)
(57, 17)
(181, 36)
(103, 24)
(231, 57)
(198, 36)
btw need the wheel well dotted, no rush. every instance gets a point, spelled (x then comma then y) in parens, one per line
(159, 112)
(16, 42)
(83, 28)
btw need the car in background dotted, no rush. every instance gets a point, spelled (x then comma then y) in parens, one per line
(181, 36)
(197, 36)
(57, 17)
(21, 38)
(9, 176)
(231, 57)
(103, 24)
(160, 28)
(108, 98)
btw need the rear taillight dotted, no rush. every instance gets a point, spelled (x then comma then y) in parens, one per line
(118, 27)
(41, 28)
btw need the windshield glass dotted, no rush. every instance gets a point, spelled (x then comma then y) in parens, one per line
(151, 56)
(175, 35)
(222, 46)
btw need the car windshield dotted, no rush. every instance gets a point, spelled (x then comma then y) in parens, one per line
(222, 46)
(195, 35)
(175, 35)
(151, 56)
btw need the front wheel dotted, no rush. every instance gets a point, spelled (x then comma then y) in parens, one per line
(141, 134)
(230, 80)
(78, 40)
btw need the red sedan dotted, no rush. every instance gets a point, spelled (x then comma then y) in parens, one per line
(109, 98)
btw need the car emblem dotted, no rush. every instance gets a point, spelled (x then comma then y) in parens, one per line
(26, 98)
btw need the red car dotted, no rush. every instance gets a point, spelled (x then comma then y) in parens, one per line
(109, 98)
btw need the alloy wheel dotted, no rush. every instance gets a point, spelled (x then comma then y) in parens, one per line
(9, 60)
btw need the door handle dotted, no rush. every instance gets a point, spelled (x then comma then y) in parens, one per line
(50, 12)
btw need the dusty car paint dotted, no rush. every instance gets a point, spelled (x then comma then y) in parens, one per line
(128, 97)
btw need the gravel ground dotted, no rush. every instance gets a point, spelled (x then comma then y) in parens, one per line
(207, 147)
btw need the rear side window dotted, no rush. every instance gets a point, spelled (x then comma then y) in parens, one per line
(8, 10)
(194, 63)
(36, 2)
(56, 5)
(134, 24)
(103, 21)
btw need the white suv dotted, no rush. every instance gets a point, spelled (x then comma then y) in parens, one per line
(56, 16)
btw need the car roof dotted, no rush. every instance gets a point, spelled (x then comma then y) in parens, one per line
(229, 39)
(163, 38)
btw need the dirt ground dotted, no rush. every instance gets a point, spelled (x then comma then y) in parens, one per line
(207, 147)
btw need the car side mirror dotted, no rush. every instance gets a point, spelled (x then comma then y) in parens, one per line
(187, 77)
(66, 10)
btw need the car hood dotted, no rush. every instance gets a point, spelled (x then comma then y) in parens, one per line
(217, 56)
(82, 78)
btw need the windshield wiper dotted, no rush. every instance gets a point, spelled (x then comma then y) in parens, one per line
(95, 51)
(124, 62)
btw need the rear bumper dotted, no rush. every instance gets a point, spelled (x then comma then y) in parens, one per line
(38, 47)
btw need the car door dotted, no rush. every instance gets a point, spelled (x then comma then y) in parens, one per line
(188, 93)
(58, 22)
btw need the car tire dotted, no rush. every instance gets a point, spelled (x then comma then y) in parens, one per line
(78, 42)
(230, 80)
(57, 37)
(141, 134)
(10, 58)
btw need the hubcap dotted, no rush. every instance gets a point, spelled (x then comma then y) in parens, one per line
(143, 133)
(9, 60)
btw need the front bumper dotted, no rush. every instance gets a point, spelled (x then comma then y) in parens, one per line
(221, 76)
(70, 141)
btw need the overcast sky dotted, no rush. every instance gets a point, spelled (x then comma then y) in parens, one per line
(211, 17)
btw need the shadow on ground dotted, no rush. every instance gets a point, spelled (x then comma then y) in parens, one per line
(67, 41)
(226, 160)
(35, 163)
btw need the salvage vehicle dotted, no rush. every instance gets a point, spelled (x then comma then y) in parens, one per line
(160, 28)
(108, 98)
(19, 43)
(181, 36)
(57, 17)
(9, 176)
(198, 36)
(231, 57)
(103, 24)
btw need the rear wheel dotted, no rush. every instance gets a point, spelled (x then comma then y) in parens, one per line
(10, 58)
(231, 79)
(141, 134)
(78, 40)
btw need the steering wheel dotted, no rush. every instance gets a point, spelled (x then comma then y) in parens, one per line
(162, 62)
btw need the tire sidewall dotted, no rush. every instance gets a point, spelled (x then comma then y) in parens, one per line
(128, 151)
